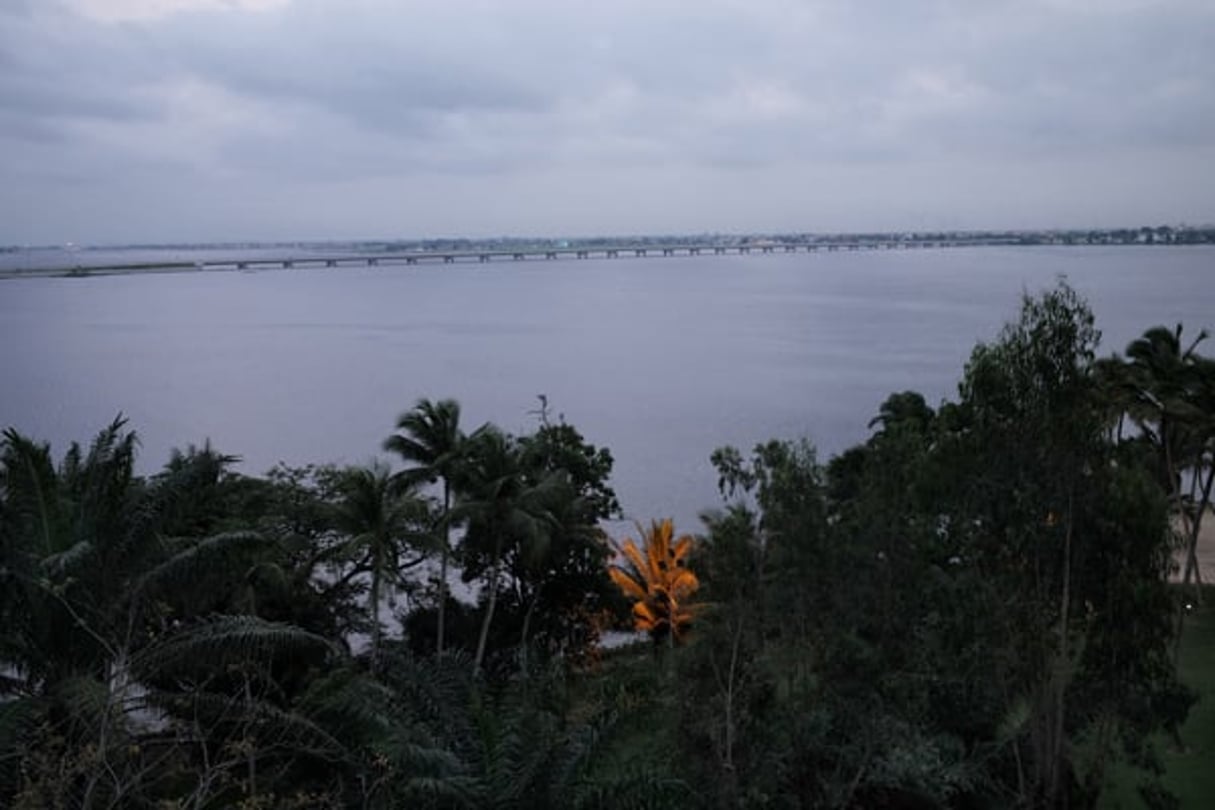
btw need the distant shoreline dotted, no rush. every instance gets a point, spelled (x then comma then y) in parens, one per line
(498, 255)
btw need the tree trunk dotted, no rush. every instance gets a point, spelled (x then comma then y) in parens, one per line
(1194, 528)
(443, 565)
(489, 607)
(1056, 753)
(375, 612)
(527, 623)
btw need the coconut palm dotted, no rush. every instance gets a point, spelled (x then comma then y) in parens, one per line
(1167, 377)
(430, 438)
(382, 521)
(657, 577)
(504, 511)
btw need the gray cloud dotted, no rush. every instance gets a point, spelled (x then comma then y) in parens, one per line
(503, 115)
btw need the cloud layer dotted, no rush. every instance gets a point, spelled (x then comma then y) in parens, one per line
(154, 120)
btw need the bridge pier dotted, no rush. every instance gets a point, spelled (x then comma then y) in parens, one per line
(483, 258)
(410, 260)
(518, 257)
(331, 263)
(288, 263)
(373, 262)
(719, 251)
(550, 255)
(449, 260)
(613, 254)
(639, 252)
(668, 252)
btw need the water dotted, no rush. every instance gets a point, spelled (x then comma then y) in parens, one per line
(659, 359)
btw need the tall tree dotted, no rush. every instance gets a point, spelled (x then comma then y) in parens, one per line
(504, 512)
(429, 436)
(1169, 381)
(382, 521)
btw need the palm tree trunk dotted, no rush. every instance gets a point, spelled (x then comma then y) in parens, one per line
(1056, 753)
(489, 607)
(1195, 528)
(443, 565)
(527, 623)
(375, 613)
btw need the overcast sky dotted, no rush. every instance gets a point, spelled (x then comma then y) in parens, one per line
(167, 120)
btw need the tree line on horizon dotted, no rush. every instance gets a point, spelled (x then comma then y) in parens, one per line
(971, 609)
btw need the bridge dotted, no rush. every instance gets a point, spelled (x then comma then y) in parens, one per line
(485, 256)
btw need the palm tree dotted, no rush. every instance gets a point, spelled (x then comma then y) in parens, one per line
(381, 520)
(659, 580)
(503, 511)
(432, 440)
(93, 593)
(1168, 381)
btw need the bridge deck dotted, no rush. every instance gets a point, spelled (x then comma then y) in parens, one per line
(498, 254)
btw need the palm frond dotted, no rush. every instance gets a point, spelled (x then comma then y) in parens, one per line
(224, 640)
(19, 724)
(275, 728)
(31, 491)
(207, 556)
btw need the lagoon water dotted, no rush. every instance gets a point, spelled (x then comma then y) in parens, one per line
(659, 359)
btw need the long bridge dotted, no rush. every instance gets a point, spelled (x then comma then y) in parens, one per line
(488, 255)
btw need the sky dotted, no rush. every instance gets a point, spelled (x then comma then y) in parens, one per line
(221, 120)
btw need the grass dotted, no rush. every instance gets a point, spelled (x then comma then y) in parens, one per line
(1189, 773)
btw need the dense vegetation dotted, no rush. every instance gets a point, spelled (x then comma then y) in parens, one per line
(972, 609)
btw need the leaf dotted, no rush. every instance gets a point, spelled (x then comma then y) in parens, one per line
(224, 640)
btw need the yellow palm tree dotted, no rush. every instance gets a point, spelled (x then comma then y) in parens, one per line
(657, 577)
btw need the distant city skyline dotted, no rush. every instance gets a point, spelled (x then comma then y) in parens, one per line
(138, 121)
